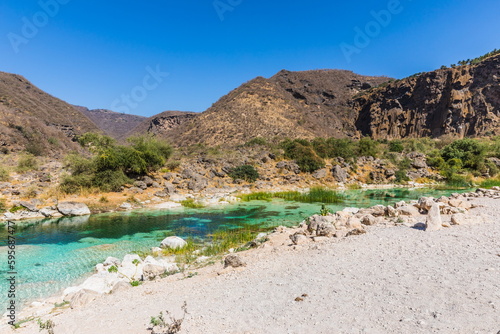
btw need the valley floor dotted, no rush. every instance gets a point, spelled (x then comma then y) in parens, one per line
(390, 280)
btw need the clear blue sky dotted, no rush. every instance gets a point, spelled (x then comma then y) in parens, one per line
(92, 53)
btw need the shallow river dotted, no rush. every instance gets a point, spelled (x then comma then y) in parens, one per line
(52, 254)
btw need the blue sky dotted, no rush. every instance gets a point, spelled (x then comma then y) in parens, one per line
(101, 54)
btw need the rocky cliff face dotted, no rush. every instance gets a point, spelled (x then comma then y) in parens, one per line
(162, 123)
(290, 104)
(461, 101)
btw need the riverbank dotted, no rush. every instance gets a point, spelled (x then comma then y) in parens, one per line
(35, 209)
(391, 279)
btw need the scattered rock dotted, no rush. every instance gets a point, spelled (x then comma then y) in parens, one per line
(407, 210)
(173, 242)
(299, 238)
(425, 203)
(320, 174)
(234, 261)
(368, 220)
(73, 209)
(151, 271)
(83, 297)
(126, 206)
(141, 185)
(356, 231)
(339, 174)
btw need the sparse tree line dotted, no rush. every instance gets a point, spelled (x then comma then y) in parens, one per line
(109, 166)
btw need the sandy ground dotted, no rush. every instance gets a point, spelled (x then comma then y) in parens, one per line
(390, 280)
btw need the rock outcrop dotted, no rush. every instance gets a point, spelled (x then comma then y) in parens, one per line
(460, 101)
(73, 209)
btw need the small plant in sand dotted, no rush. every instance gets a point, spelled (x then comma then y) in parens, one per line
(47, 325)
(161, 325)
(324, 211)
(113, 269)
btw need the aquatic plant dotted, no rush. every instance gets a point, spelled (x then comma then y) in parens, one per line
(315, 194)
(224, 240)
(258, 196)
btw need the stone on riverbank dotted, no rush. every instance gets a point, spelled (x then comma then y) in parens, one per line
(434, 221)
(173, 243)
(73, 209)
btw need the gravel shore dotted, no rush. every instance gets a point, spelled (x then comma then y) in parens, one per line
(389, 280)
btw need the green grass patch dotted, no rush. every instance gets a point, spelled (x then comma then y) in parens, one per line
(489, 183)
(316, 194)
(258, 196)
(192, 204)
(4, 175)
(17, 208)
(223, 240)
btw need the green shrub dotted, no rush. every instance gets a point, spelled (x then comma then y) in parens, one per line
(367, 147)
(71, 184)
(27, 163)
(4, 175)
(35, 148)
(423, 145)
(401, 176)
(111, 165)
(458, 181)
(245, 172)
(343, 148)
(257, 141)
(3, 205)
(53, 141)
(96, 142)
(110, 180)
(321, 148)
(173, 165)
(470, 152)
(154, 152)
(303, 154)
(396, 146)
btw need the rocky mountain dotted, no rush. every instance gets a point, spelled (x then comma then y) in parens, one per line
(290, 104)
(112, 123)
(161, 123)
(462, 101)
(32, 120)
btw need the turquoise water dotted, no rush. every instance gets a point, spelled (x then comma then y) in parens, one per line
(53, 254)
